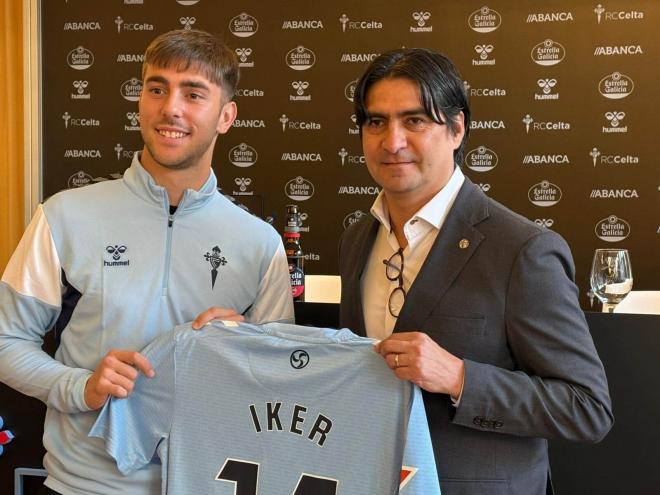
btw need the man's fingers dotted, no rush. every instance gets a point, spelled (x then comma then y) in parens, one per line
(132, 358)
(216, 314)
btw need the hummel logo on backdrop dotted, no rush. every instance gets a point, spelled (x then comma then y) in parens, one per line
(187, 22)
(216, 261)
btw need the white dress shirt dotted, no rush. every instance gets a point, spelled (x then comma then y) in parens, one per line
(421, 231)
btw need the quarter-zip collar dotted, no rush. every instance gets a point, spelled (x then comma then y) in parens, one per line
(142, 184)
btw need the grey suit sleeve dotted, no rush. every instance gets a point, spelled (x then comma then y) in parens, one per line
(558, 388)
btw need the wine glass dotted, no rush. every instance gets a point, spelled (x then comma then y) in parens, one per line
(611, 277)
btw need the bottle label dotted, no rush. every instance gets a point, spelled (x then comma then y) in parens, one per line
(297, 276)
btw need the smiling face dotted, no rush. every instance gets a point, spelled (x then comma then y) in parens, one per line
(181, 115)
(407, 153)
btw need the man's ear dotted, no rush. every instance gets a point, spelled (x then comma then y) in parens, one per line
(227, 116)
(459, 125)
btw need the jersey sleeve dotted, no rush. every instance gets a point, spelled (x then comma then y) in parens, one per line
(30, 302)
(274, 301)
(418, 473)
(134, 427)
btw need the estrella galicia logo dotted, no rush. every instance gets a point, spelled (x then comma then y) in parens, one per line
(299, 359)
(116, 251)
(216, 261)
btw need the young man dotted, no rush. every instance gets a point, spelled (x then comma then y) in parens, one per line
(113, 265)
(474, 303)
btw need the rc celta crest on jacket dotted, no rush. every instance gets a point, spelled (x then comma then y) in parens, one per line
(216, 260)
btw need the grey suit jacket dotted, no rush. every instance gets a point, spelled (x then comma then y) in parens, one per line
(507, 305)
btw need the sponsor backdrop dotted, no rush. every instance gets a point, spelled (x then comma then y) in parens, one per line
(562, 96)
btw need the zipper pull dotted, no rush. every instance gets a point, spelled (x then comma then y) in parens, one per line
(170, 220)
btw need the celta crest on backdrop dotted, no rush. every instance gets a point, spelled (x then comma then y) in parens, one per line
(562, 95)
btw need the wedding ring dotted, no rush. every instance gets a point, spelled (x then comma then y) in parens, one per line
(396, 361)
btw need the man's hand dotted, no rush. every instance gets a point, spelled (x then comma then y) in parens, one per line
(216, 314)
(416, 357)
(115, 376)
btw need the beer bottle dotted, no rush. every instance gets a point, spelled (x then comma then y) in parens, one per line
(294, 253)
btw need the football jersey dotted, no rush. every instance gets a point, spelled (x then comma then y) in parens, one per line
(241, 409)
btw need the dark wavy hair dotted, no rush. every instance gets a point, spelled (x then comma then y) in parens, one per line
(440, 85)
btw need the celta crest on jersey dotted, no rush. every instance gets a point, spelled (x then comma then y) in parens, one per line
(216, 261)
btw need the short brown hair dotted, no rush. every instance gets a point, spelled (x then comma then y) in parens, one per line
(186, 48)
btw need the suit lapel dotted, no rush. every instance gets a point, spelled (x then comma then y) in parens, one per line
(364, 241)
(447, 258)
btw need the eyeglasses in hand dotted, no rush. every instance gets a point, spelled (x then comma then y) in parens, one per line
(394, 272)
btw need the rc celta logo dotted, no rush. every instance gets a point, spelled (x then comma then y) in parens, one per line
(70, 121)
(80, 58)
(612, 229)
(243, 155)
(131, 89)
(616, 86)
(548, 53)
(621, 15)
(132, 26)
(243, 25)
(484, 20)
(481, 159)
(421, 18)
(483, 51)
(598, 157)
(530, 124)
(299, 189)
(484, 91)
(249, 92)
(346, 23)
(545, 193)
(298, 125)
(348, 159)
(121, 153)
(300, 58)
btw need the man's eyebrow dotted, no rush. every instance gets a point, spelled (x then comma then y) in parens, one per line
(403, 113)
(188, 83)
